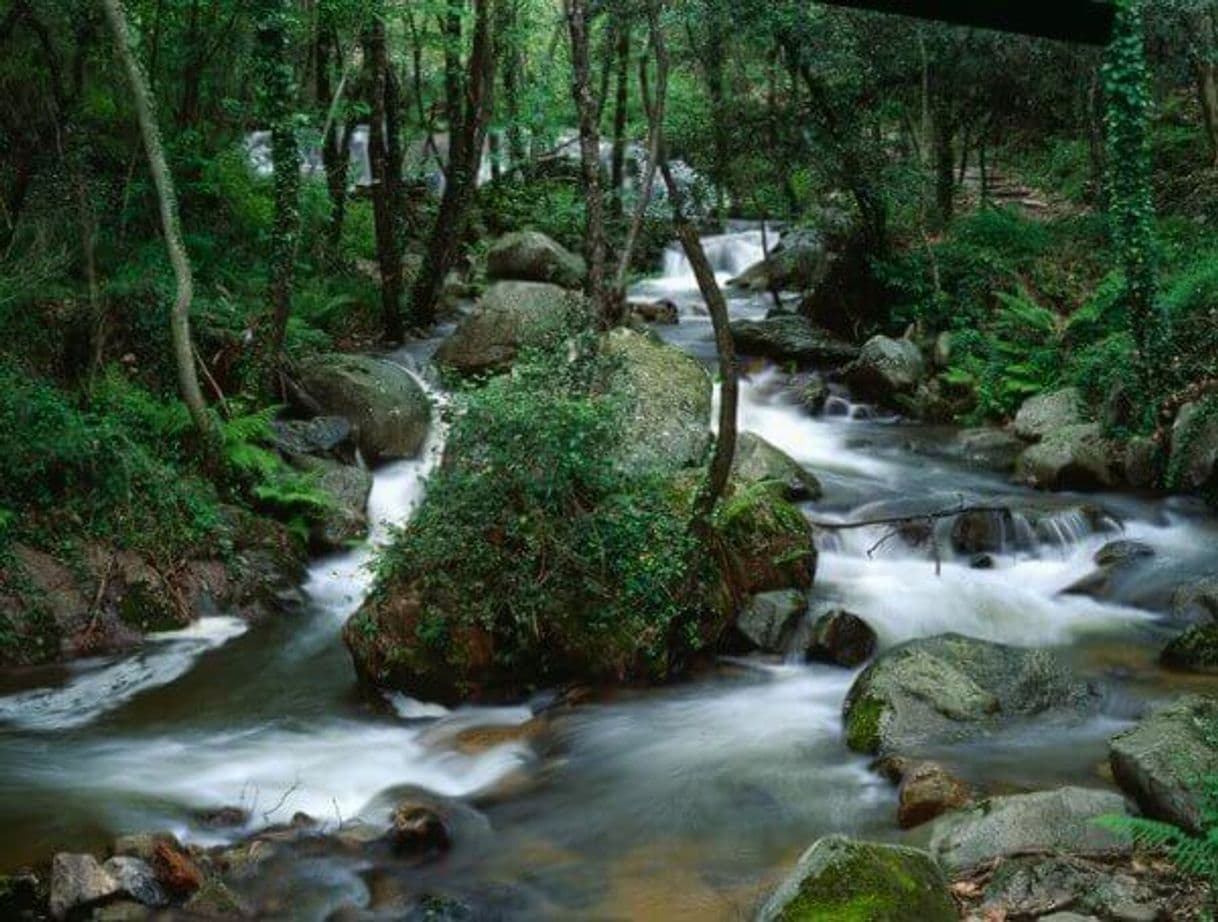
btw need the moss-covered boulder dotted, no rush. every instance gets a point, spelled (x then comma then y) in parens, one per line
(757, 460)
(668, 395)
(1162, 763)
(346, 488)
(951, 687)
(1196, 650)
(886, 369)
(530, 256)
(1193, 464)
(1060, 821)
(387, 407)
(509, 317)
(1074, 457)
(1045, 414)
(791, 338)
(769, 620)
(839, 879)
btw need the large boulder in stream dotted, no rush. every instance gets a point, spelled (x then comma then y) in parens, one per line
(799, 262)
(530, 256)
(1075, 457)
(1163, 761)
(1193, 464)
(1045, 414)
(669, 395)
(791, 338)
(1060, 821)
(886, 369)
(386, 405)
(346, 488)
(509, 317)
(758, 461)
(947, 688)
(839, 878)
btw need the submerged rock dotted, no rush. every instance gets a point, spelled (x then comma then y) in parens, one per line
(928, 790)
(769, 620)
(1045, 414)
(790, 338)
(386, 405)
(214, 900)
(950, 687)
(838, 878)
(511, 316)
(77, 883)
(982, 531)
(530, 256)
(1162, 762)
(842, 638)
(1060, 821)
(1196, 650)
(886, 369)
(757, 460)
(417, 829)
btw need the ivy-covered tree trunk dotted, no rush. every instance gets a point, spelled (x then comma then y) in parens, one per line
(464, 162)
(578, 27)
(179, 318)
(278, 95)
(388, 244)
(1131, 197)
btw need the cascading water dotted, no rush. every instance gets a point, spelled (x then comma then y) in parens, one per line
(684, 802)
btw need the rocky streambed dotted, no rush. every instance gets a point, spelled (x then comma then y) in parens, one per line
(945, 714)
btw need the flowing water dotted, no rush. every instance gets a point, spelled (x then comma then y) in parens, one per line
(677, 803)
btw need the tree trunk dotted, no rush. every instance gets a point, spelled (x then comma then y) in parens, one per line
(192, 72)
(619, 115)
(510, 77)
(188, 380)
(578, 23)
(464, 161)
(388, 252)
(279, 94)
(1205, 71)
(335, 142)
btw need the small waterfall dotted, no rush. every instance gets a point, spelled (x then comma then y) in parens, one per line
(729, 255)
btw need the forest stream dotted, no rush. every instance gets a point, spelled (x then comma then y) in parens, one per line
(681, 802)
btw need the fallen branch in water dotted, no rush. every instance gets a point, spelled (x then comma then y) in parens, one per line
(900, 525)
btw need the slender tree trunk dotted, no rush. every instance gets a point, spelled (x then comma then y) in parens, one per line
(450, 25)
(279, 95)
(464, 161)
(511, 65)
(1205, 71)
(619, 115)
(192, 73)
(388, 253)
(578, 24)
(188, 380)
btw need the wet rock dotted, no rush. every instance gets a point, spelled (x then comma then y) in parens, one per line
(886, 369)
(417, 829)
(509, 317)
(842, 638)
(1034, 886)
(1143, 463)
(798, 263)
(662, 312)
(982, 562)
(214, 900)
(1076, 457)
(347, 488)
(323, 435)
(757, 460)
(791, 339)
(175, 870)
(981, 531)
(668, 426)
(1162, 760)
(1194, 446)
(1045, 414)
(79, 882)
(928, 790)
(1060, 821)
(1117, 553)
(1196, 650)
(950, 687)
(143, 845)
(387, 407)
(838, 878)
(814, 394)
(529, 256)
(990, 449)
(21, 896)
(1196, 603)
(223, 817)
(136, 878)
(244, 859)
(769, 620)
